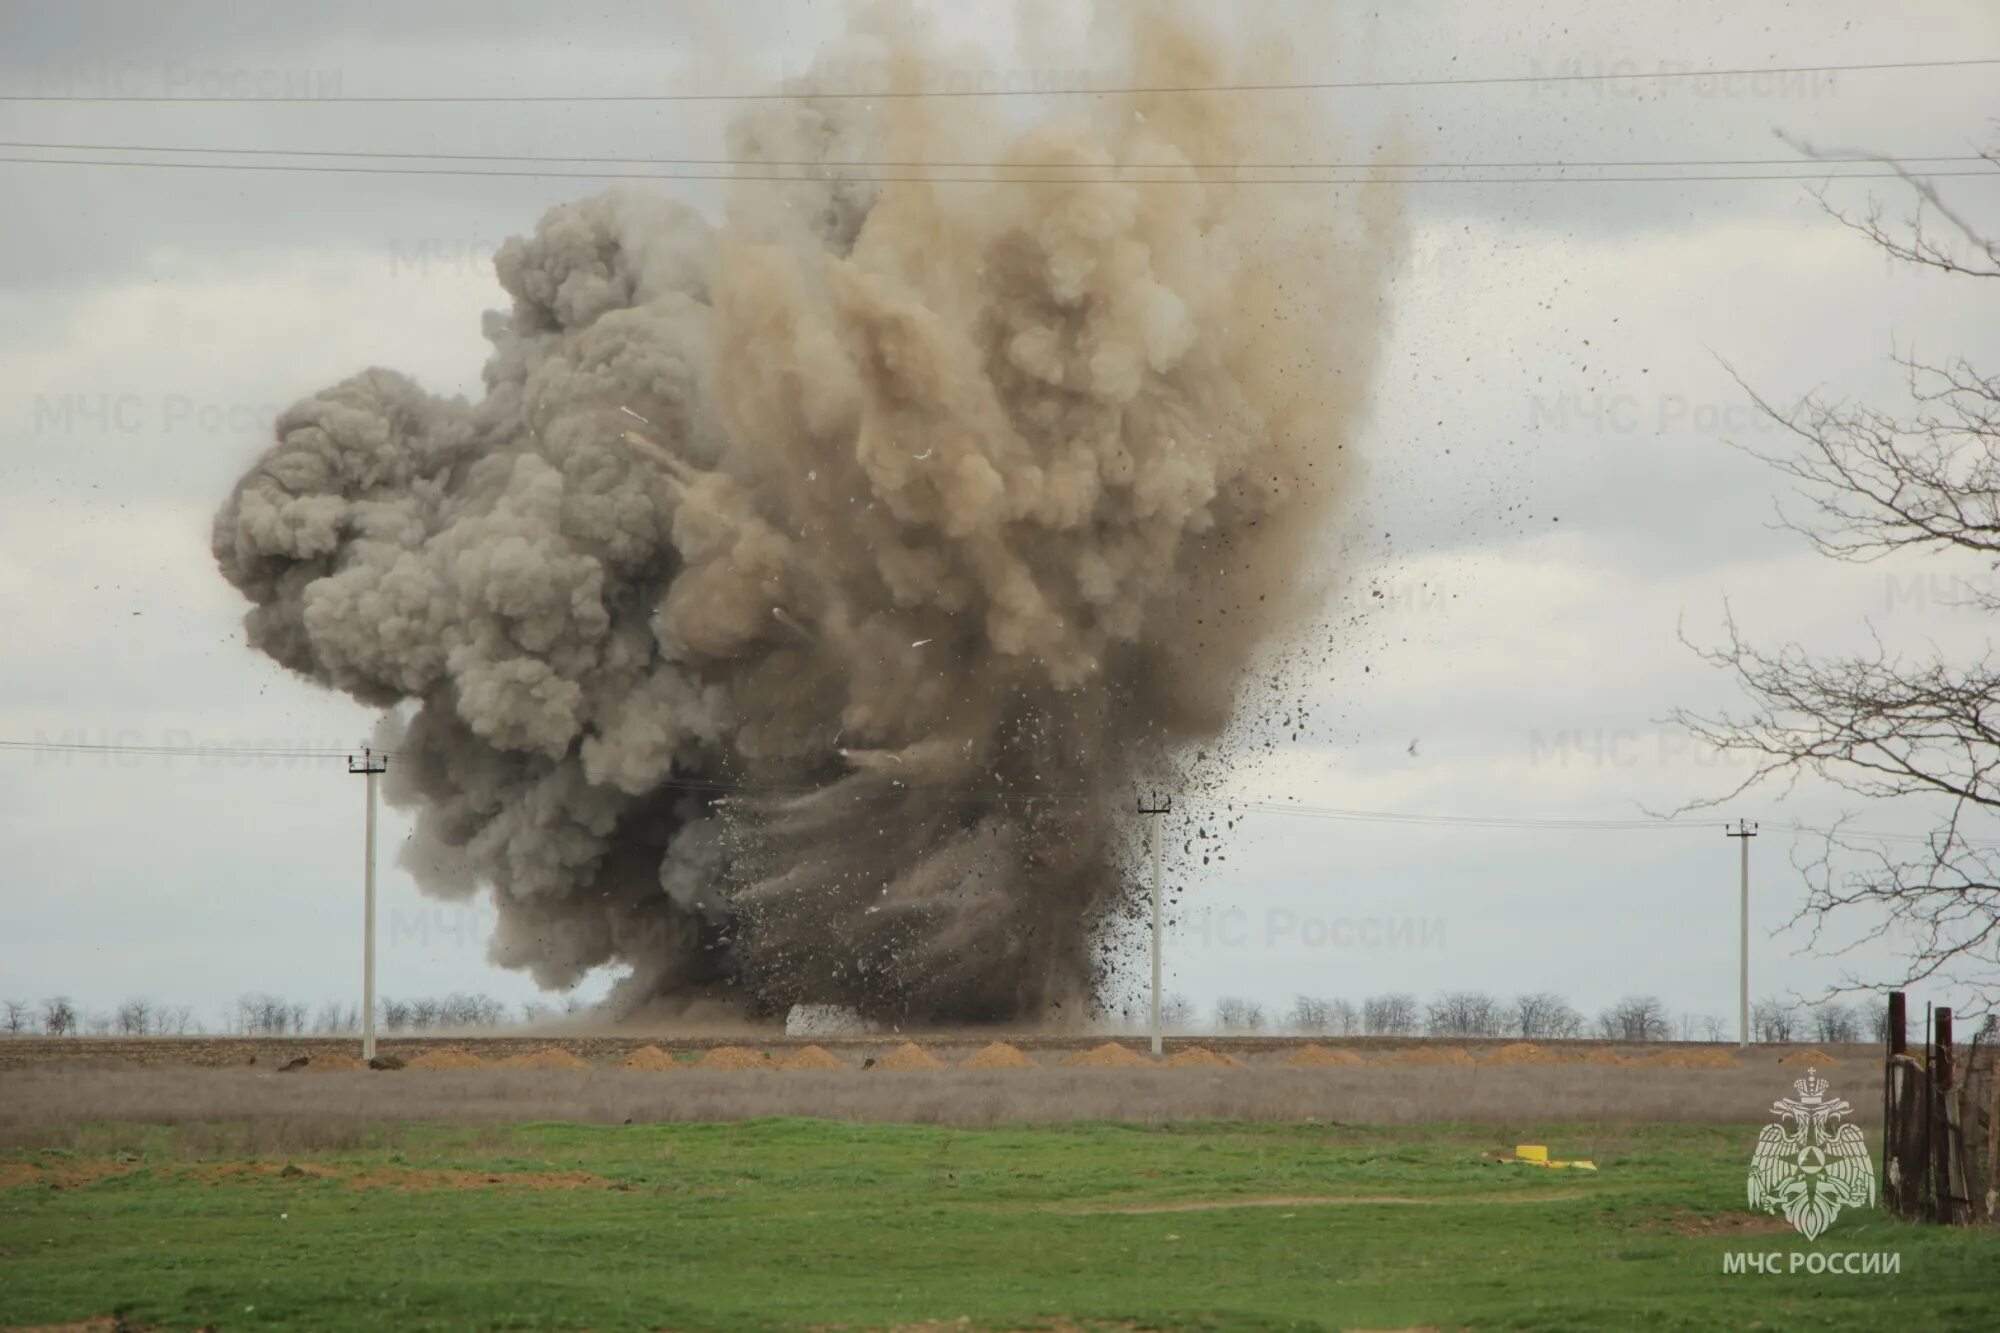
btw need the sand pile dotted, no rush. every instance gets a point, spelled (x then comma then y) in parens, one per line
(1430, 1055)
(735, 1057)
(1200, 1057)
(1805, 1057)
(449, 1057)
(1522, 1053)
(909, 1056)
(997, 1055)
(549, 1057)
(813, 1057)
(1690, 1060)
(333, 1062)
(1108, 1056)
(649, 1058)
(1597, 1055)
(1320, 1057)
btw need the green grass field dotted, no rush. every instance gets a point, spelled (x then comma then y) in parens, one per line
(790, 1223)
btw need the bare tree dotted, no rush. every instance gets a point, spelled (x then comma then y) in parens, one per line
(1833, 1021)
(1920, 479)
(1463, 1014)
(1235, 1014)
(1310, 1014)
(1342, 1018)
(1176, 1012)
(58, 1016)
(1541, 1016)
(16, 1017)
(175, 1020)
(135, 1018)
(1773, 1020)
(1394, 1015)
(1636, 1018)
(1713, 1028)
(98, 1023)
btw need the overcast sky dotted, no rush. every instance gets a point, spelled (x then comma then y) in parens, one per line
(1552, 495)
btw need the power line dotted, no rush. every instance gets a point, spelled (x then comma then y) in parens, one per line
(250, 751)
(892, 94)
(320, 168)
(891, 165)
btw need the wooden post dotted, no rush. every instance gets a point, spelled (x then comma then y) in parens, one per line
(1899, 1024)
(1945, 1181)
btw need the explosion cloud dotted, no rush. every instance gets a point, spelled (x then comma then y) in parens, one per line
(791, 619)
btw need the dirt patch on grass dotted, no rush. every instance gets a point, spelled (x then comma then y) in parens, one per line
(909, 1056)
(61, 1176)
(449, 1057)
(1327, 1200)
(649, 1058)
(333, 1062)
(1430, 1055)
(1321, 1057)
(1723, 1224)
(1108, 1056)
(1200, 1057)
(813, 1057)
(1522, 1053)
(551, 1057)
(997, 1055)
(1690, 1060)
(1808, 1058)
(735, 1057)
(216, 1174)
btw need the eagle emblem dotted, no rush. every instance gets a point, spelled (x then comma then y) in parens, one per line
(1806, 1165)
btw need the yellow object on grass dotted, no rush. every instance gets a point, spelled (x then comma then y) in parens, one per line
(1537, 1154)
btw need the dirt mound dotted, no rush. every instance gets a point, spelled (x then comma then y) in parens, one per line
(997, 1055)
(1200, 1057)
(813, 1057)
(909, 1056)
(549, 1057)
(449, 1057)
(1597, 1055)
(734, 1057)
(333, 1062)
(1320, 1057)
(1430, 1055)
(649, 1058)
(1521, 1053)
(1690, 1060)
(1108, 1056)
(1808, 1057)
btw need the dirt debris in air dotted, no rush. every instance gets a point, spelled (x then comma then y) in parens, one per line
(998, 1055)
(1108, 1056)
(909, 1056)
(449, 1057)
(551, 1057)
(813, 1057)
(735, 1057)
(1320, 1057)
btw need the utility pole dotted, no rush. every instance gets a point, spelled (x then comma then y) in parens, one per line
(371, 766)
(1745, 830)
(1154, 811)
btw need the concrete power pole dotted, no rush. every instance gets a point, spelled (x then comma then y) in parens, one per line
(1744, 830)
(371, 766)
(1154, 812)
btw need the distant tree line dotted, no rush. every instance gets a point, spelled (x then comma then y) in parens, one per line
(263, 1015)
(1532, 1016)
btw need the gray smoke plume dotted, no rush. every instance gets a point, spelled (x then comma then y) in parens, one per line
(790, 620)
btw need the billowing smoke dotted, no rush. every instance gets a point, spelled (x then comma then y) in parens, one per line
(793, 617)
